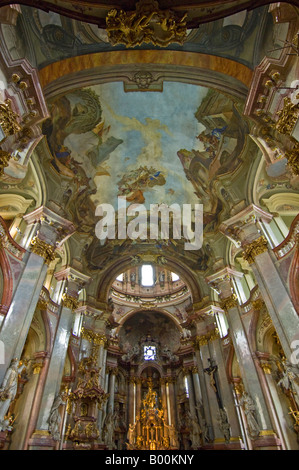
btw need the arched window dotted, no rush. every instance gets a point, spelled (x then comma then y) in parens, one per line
(147, 275)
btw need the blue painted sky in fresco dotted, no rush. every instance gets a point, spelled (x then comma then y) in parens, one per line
(153, 127)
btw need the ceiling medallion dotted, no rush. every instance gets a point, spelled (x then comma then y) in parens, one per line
(147, 24)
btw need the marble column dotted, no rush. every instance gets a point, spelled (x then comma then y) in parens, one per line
(203, 406)
(225, 388)
(188, 376)
(131, 399)
(138, 396)
(213, 404)
(113, 372)
(171, 394)
(164, 398)
(259, 422)
(247, 228)
(48, 228)
(74, 281)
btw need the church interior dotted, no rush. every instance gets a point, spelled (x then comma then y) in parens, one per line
(119, 331)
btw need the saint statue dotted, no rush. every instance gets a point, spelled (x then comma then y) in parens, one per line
(108, 429)
(55, 418)
(9, 388)
(249, 410)
(224, 424)
(290, 380)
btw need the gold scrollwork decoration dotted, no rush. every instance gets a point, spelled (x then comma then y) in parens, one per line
(43, 249)
(69, 302)
(147, 24)
(267, 367)
(229, 302)
(255, 248)
(204, 339)
(8, 119)
(292, 157)
(93, 337)
(287, 117)
(4, 160)
(258, 304)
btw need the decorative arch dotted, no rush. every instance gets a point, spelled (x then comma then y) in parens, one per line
(119, 266)
(133, 312)
(153, 365)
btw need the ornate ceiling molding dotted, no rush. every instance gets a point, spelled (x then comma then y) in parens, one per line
(187, 67)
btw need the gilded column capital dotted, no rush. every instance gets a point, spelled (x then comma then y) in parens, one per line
(113, 370)
(292, 157)
(37, 367)
(202, 340)
(93, 337)
(255, 248)
(170, 380)
(267, 367)
(258, 304)
(8, 119)
(69, 301)
(132, 380)
(229, 302)
(42, 304)
(4, 160)
(287, 117)
(210, 336)
(43, 249)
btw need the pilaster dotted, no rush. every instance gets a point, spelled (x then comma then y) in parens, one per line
(258, 420)
(248, 229)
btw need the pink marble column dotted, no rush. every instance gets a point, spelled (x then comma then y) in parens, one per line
(246, 230)
(259, 425)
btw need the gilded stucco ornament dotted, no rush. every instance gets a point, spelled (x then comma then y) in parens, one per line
(4, 160)
(204, 339)
(229, 302)
(147, 24)
(292, 157)
(255, 248)
(8, 119)
(69, 301)
(43, 249)
(287, 117)
(93, 337)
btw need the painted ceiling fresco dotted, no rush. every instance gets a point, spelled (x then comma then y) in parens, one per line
(155, 325)
(150, 147)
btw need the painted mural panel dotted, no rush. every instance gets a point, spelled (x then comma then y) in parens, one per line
(149, 147)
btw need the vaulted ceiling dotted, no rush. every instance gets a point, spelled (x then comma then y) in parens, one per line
(155, 124)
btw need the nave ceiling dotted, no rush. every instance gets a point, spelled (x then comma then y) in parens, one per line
(125, 122)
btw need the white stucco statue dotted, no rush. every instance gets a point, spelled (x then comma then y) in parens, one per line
(9, 388)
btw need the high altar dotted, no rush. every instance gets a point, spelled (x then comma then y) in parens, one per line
(150, 431)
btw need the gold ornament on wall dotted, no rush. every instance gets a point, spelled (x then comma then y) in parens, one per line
(292, 157)
(147, 24)
(229, 302)
(8, 119)
(4, 160)
(43, 249)
(69, 301)
(287, 117)
(255, 248)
